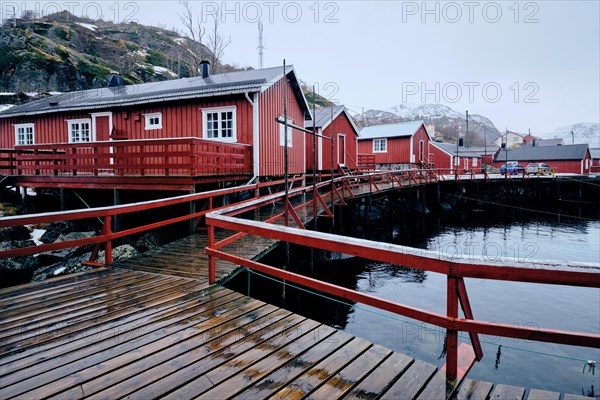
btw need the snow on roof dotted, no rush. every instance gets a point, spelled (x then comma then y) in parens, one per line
(153, 92)
(390, 130)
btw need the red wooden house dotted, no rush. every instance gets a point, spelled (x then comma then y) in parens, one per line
(446, 156)
(396, 146)
(336, 123)
(574, 158)
(164, 135)
(595, 154)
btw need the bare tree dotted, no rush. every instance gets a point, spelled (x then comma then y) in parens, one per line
(217, 43)
(194, 28)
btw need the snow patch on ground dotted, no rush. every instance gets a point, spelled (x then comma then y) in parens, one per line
(7, 93)
(88, 26)
(60, 270)
(142, 52)
(30, 191)
(164, 71)
(36, 234)
(180, 40)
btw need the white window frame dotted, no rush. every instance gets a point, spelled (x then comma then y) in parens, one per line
(383, 149)
(148, 124)
(219, 110)
(25, 127)
(474, 161)
(88, 121)
(290, 136)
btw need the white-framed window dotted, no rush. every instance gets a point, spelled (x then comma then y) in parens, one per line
(474, 161)
(219, 124)
(153, 121)
(290, 134)
(80, 130)
(24, 134)
(379, 145)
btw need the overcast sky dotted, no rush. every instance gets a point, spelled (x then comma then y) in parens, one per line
(524, 65)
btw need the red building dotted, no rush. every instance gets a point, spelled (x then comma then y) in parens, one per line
(446, 156)
(396, 146)
(574, 158)
(529, 138)
(334, 123)
(170, 135)
(595, 154)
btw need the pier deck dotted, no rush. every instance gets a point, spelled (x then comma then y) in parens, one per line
(153, 327)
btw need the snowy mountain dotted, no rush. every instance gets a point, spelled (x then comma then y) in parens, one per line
(583, 132)
(445, 120)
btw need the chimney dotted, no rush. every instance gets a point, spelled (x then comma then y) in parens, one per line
(114, 80)
(461, 142)
(204, 64)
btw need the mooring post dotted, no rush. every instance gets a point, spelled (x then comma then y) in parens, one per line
(108, 245)
(451, 334)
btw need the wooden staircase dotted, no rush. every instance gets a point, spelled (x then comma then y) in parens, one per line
(345, 170)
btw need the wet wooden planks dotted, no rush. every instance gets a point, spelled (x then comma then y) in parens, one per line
(147, 335)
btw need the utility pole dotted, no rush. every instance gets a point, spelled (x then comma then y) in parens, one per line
(572, 137)
(467, 132)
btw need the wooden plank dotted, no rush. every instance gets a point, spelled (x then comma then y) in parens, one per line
(338, 385)
(380, 379)
(273, 361)
(314, 377)
(537, 394)
(575, 397)
(280, 377)
(412, 382)
(53, 377)
(507, 392)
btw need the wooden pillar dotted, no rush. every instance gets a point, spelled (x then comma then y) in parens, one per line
(192, 228)
(63, 202)
(117, 219)
(452, 335)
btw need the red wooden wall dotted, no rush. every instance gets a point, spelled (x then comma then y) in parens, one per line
(421, 134)
(342, 125)
(271, 153)
(566, 166)
(398, 150)
(440, 159)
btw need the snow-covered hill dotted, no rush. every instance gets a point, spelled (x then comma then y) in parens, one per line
(583, 132)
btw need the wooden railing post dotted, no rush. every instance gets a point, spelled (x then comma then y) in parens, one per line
(451, 334)
(211, 259)
(108, 246)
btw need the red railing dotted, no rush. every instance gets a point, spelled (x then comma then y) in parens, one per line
(149, 157)
(456, 269)
(366, 162)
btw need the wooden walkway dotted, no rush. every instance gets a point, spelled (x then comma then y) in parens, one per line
(152, 327)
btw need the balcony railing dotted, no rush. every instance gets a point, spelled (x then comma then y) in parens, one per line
(148, 157)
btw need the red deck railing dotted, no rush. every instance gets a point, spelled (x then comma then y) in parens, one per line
(148, 157)
(366, 162)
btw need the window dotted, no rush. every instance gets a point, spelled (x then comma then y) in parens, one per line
(24, 134)
(219, 124)
(290, 134)
(153, 121)
(379, 145)
(474, 161)
(79, 130)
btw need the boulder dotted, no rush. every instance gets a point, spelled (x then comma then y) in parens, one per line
(149, 241)
(55, 230)
(19, 263)
(119, 253)
(54, 256)
(68, 266)
(14, 233)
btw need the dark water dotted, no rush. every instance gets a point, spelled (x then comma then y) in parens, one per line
(517, 235)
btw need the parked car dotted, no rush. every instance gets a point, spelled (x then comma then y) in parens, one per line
(513, 169)
(538, 169)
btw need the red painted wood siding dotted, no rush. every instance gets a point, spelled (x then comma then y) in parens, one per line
(398, 150)
(342, 125)
(179, 119)
(271, 152)
(441, 159)
(421, 134)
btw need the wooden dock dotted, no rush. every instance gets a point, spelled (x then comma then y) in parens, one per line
(153, 327)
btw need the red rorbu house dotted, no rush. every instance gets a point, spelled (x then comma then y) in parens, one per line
(595, 154)
(170, 135)
(395, 146)
(574, 158)
(446, 156)
(332, 122)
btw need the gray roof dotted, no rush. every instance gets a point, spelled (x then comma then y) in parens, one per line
(544, 153)
(595, 153)
(390, 130)
(187, 88)
(450, 148)
(323, 117)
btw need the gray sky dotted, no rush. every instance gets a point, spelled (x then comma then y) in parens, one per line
(524, 64)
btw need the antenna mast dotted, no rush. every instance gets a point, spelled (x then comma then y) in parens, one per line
(261, 45)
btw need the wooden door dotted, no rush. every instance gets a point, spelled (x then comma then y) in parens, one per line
(341, 149)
